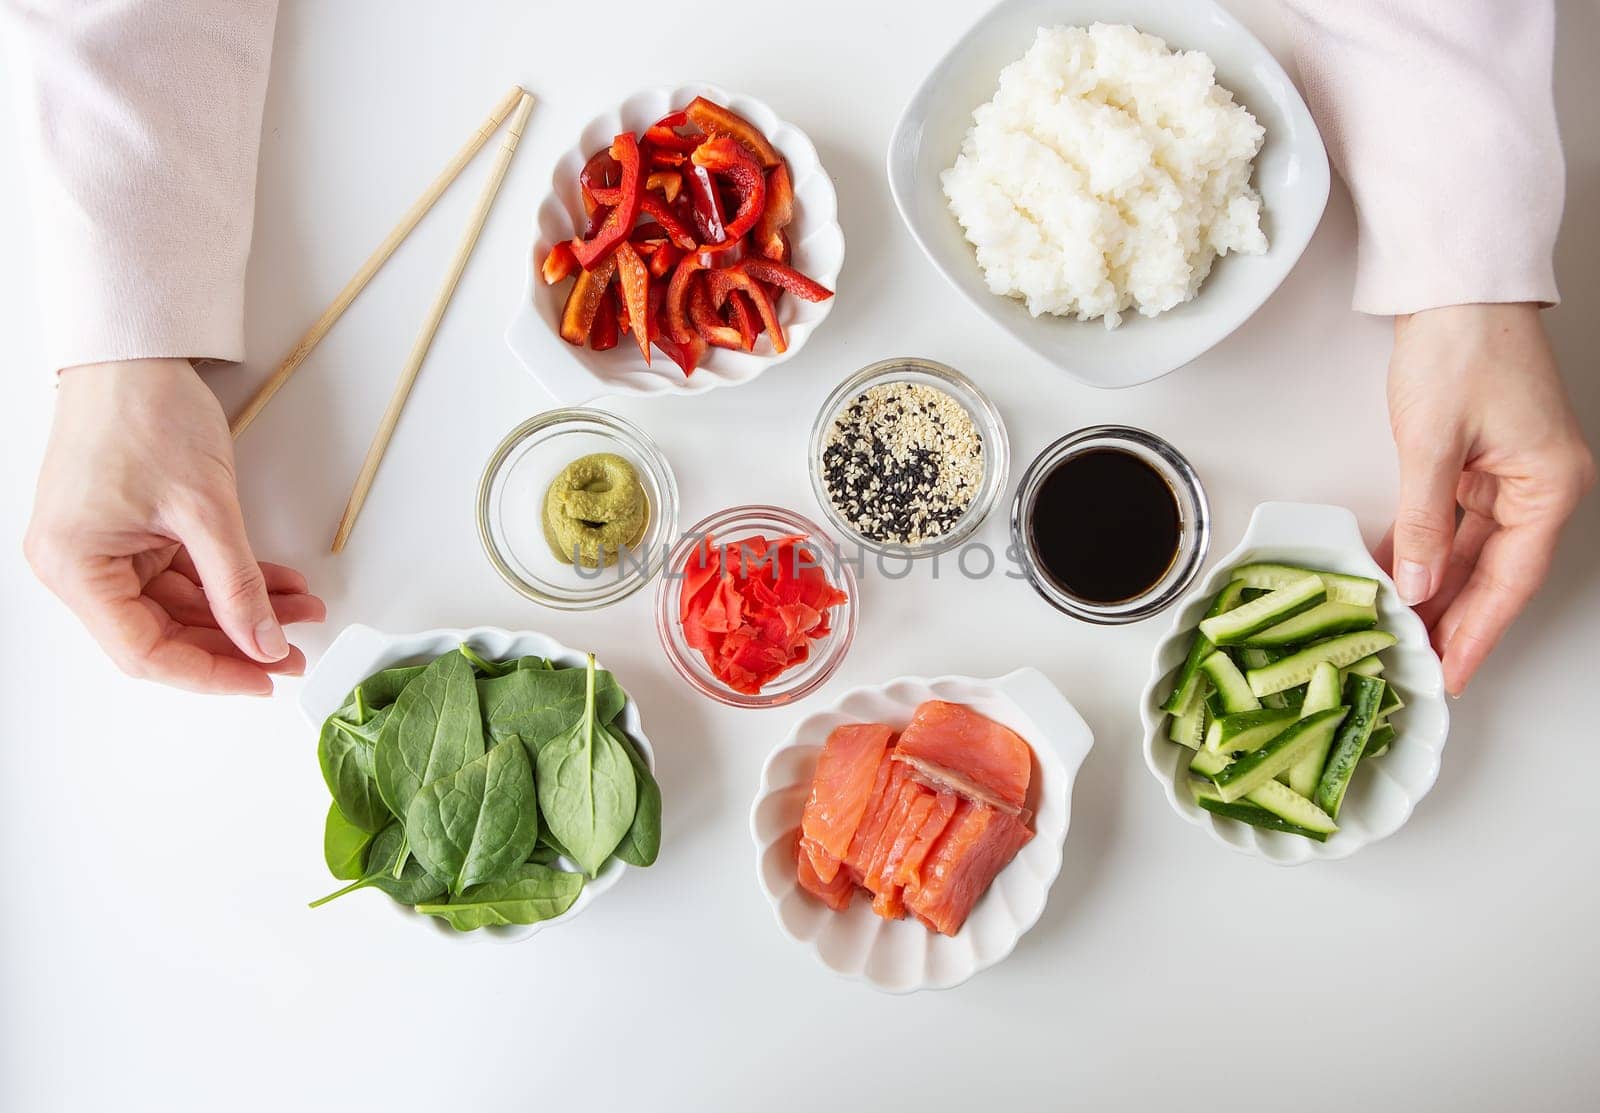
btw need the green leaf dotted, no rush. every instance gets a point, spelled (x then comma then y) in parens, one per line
(344, 751)
(414, 884)
(542, 704)
(344, 845)
(433, 731)
(379, 690)
(532, 894)
(538, 664)
(544, 855)
(483, 666)
(480, 822)
(587, 789)
(642, 843)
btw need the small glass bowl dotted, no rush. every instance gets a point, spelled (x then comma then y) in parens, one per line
(736, 524)
(996, 450)
(511, 508)
(1194, 524)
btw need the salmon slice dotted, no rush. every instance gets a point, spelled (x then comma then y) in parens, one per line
(848, 772)
(866, 837)
(975, 847)
(953, 746)
(887, 899)
(835, 894)
(872, 876)
(908, 874)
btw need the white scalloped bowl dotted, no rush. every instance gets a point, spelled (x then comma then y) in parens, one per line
(902, 956)
(576, 375)
(359, 651)
(1386, 790)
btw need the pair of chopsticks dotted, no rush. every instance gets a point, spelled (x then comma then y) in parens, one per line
(517, 104)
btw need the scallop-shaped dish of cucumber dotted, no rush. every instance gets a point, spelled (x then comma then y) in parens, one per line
(1282, 696)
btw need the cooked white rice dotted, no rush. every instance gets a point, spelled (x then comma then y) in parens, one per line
(1107, 174)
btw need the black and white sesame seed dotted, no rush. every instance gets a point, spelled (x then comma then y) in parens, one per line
(902, 463)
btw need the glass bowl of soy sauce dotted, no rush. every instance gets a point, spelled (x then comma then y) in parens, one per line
(1110, 524)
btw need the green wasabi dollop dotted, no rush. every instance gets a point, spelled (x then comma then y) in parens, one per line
(594, 508)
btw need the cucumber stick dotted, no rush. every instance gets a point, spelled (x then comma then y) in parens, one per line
(1296, 669)
(1271, 797)
(1246, 731)
(1186, 688)
(1365, 696)
(1367, 666)
(1322, 694)
(1321, 621)
(1189, 729)
(1259, 766)
(1251, 814)
(1341, 588)
(1269, 610)
(1378, 744)
(1233, 690)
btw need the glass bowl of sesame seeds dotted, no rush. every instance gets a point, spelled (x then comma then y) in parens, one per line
(908, 457)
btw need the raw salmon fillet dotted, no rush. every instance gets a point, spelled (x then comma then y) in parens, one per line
(953, 746)
(859, 856)
(976, 845)
(835, 894)
(908, 874)
(847, 773)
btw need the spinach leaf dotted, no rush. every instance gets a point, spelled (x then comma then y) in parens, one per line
(483, 666)
(433, 731)
(537, 664)
(413, 886)
(480, 822)
(542, 704)
(549, 842)
(642, 843)
(587, 789)
(344, 750)
(544, 855)
(378, 691)
(344, 845)
(531, 894)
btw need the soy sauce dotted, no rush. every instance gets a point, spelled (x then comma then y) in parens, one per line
(1105, 526)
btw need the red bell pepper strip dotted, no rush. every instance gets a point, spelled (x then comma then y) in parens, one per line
(786, 277)
(713, 119)
(728, 159)
(559, 264)
(634, 278)
(711, 328)
(664, 133)
(676, 231)
(722, 283)
(702, 192)
(779, 212)
(678, 327)
(620, 220)
(583, 301)
(778, 250)
(663, 259)
(624, 322)
(603, 334)
(744, 319)
(669, 182)
(664, 160)
(686, 356)
(600, 172)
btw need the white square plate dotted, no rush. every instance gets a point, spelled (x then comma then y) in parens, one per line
(1291, 173)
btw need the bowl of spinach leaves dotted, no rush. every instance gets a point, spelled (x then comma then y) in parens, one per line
(493, 782)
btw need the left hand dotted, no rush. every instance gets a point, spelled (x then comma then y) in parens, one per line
(1481, 421)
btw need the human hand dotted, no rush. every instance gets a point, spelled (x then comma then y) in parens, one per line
(136, 527)
(1481, 420)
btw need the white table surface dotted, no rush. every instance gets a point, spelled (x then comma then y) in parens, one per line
(158, 848)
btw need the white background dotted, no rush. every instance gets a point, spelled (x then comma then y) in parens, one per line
(158, 849)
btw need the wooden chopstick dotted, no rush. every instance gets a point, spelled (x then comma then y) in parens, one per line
(419, 208)
(430, 325)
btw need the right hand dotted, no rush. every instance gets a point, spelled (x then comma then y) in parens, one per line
(136, 527)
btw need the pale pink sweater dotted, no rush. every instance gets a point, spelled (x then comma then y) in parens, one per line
(141, 119)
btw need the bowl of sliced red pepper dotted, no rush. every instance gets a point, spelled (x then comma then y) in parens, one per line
(756, 606)
(690, 240)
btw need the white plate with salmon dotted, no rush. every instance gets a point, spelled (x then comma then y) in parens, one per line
(908, 834)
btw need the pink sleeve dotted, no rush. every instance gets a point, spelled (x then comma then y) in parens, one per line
(1439, 114)
(141, 121)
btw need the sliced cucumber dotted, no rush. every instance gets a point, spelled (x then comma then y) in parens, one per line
(1391, 702)
(1345, 649)
(1233, 690)
(1260, 614)
(1351, 743)
(1254, 769)
(1322, 693)
(1367, 666)
(1211, 800)
(1189, 729)
(1322, 621)
(1185, 689)
(1378, 745)
(1246, 731)
(1341, 588)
